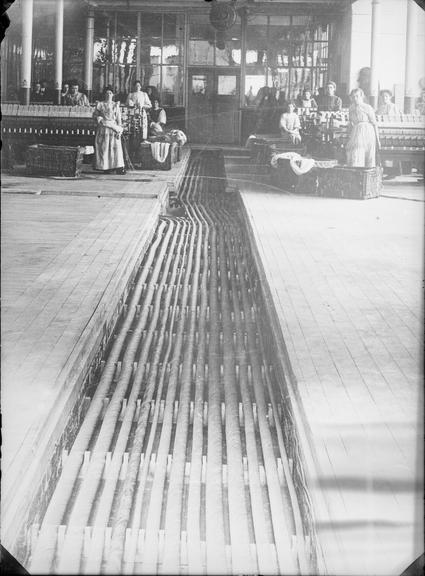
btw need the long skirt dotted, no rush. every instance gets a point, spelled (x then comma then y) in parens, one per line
(361, 146)
(109, 154)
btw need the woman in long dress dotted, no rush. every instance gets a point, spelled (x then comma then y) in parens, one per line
(108, 148)
(364, 136)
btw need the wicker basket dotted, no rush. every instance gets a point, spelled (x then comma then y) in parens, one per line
(328, 180)
(345, 182)
(54, 160)
(146, 161)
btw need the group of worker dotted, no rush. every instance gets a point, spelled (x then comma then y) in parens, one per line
(363, 142)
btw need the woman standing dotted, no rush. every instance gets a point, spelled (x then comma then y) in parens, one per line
(109, 155)
(306, 100)
(386, 107)
(138, 98)
(364, 136)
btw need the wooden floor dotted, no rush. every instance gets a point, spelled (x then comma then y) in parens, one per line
(345, 277)
(346, 282)
(68, 250)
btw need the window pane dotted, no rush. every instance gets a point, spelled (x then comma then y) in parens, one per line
(281, 76)
(171, 52)
(300, 79)
(253, 83)
(201, 29)
(151, 51)
(126, 51)
(321, 32)
(173, 25)
(256, 42)
(126, 24)
(227, 85)
(199, 84)
(100, 24)
(256, 57)
(152, 76)
(100, 51)
(172, 86)
(279, 45)
(230, 54)
(201, 52)
(151, 25)
(298, 54)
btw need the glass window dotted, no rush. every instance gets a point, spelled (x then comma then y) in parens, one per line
(229, 54)
(171, 52)
(172, 86)
(300, 78)
(227, 85)
(199, 84)
(173, 26)
(256, 40)
(126, 51)
(253, 83)
(126, 24)
(152, 76)
(201, 29)
(100, 51)
(281, 77)
(151, 25)
(201, 52)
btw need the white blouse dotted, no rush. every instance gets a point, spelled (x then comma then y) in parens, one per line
(139, 99)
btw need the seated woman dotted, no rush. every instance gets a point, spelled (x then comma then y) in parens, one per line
(158, 118)
(108, 148)
(138, 98)
(364, 137)
(386, 107)
(290, 124)
(306, 100)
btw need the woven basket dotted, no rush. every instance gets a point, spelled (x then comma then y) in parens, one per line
(144, 157)
(55, 160)
(346, 182)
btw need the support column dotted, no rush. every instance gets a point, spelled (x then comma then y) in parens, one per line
(374, 47)
(58, 51)
(139, 48)
(411, 55)
(27, 15)
(88, 67)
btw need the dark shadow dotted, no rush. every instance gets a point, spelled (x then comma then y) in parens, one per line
(367, 484)
(352, 524)
(9, 564)
(416, 568)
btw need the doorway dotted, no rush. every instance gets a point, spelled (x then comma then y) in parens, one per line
(213, 105)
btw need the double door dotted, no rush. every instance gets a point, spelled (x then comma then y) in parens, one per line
(213, 105)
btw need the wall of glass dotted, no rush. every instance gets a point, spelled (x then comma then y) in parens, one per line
(291, 51)
(208, 47)
(121, 57)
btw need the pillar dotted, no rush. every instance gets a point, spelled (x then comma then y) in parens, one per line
(27, 15)
(139, 48)
(88, 67)
(58, 51)
(410, 81)
(374, 47)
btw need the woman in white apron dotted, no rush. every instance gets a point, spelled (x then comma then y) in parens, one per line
(108, 147)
